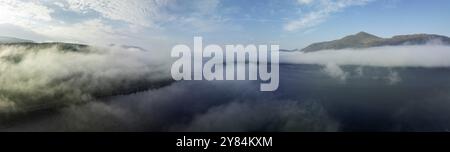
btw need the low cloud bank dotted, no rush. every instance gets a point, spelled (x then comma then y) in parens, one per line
(35, 77)
(389, 56)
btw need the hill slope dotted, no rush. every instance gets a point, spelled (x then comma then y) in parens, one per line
(5, 39)
(366, 40)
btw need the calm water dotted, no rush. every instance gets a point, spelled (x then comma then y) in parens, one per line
(308, 99)
(375, 99)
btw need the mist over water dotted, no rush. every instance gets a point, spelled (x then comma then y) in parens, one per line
(35, 77)
(387, 56)
(333, 94)
(308, 99)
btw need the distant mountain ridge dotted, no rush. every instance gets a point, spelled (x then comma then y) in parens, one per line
(366, 40)
(12, 41)
(64, 47)
(5, 39)
(61, 46)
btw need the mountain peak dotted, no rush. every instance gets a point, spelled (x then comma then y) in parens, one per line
(362, 33)
(365, 34)
(362, 36)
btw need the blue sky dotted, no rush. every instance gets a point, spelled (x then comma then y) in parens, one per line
(160, 24)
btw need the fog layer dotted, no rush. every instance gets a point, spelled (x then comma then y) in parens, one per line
(389, 56)
(35, 78)
(376, 89)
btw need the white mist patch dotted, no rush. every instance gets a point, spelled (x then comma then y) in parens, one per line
(335, 71)
(389, 56)
(393, 77)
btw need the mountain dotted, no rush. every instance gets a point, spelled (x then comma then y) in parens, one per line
(285, 50)
(34, 46)
(366, 40)
(129, 47)
(4, 39)
(63, 47)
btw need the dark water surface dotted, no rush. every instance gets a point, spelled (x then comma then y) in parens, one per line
(369, 100)
(308, 99)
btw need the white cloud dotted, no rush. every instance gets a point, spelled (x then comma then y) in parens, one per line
(96, 21)
(305, 2)
(322, 10)
(36, 17)
(110, 21)
(137, 12)
(199, 16)
(89, 31)
(206, 6)
(21, 13)
(309, 20)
